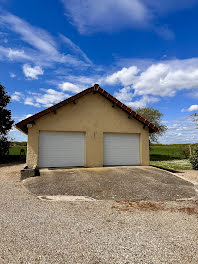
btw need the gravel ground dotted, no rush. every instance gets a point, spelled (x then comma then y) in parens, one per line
(107, 232)
(189, 175)
(112, 183)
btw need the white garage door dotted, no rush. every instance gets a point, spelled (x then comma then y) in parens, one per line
(61, 149)
(121, 149)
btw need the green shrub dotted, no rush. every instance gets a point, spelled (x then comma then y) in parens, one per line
(194, 159)
(185, 151)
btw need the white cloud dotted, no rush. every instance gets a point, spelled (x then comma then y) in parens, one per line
(76, 49)
(126, 76)
(75, 83)
(144, 83)
(70, 87)
(147, 84)
(16, 96)
(23, 117)
(126, 96)
(32, 72)
(17, 135)
(159, 79)
(12, 75)
(46, 99)
(143, 101)
(82, 80)
(36, 37)
(28, 115)
(164, 80)
(30, 101)
(43, 49)
(106, 15)
(164, 32)
(193, 108)
(180, 131)
(112, 15)
(51, 97)
(13, 54)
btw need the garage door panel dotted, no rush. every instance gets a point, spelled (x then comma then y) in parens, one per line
(121, 149)
(61, 149)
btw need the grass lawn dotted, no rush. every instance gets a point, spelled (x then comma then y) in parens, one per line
(173, 164)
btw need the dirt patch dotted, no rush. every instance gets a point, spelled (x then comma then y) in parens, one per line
(188, 210)
(154, 206)
(140, 205)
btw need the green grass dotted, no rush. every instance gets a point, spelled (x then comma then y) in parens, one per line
(16, 150)
(170, 152)
(171, 157)
(172, 164)
(165, 152)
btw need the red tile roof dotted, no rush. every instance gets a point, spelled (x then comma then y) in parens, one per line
(22, 125)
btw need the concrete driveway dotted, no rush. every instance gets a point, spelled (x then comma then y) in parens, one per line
(112, 183)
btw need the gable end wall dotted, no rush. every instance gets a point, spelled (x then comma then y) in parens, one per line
(94, 115)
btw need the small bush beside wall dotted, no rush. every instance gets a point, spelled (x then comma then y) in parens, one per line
(194, 159)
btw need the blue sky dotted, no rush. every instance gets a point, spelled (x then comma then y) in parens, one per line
(144, 52)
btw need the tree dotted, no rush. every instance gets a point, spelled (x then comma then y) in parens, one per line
(194, 159)
(195, 118)
(6, 121)
(153, 116)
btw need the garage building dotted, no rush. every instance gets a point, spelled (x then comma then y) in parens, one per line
(89, 129)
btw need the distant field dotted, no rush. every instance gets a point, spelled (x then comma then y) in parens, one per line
(169, 152)
(16, 150)
(165, 152)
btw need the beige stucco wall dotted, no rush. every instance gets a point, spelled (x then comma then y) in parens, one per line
(94, 115)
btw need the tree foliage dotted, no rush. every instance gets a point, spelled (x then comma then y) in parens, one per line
(194, 159)
(154, 116)
(195, 118)
(6, 121)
